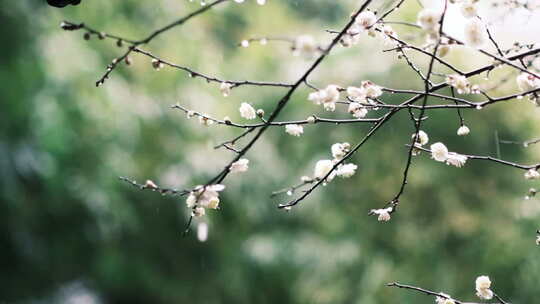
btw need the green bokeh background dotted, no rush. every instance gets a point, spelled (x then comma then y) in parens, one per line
(71, 231)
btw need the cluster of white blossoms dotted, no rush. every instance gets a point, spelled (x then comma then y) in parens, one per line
(239, 166)
(462, 84)
(294, 129)
(383, 215)
(483, 283)
(203, 197)
(475, 32)
(367, 22)
(325, 166)
(367, 92)
(538, 238)
(440, 153)
(532, 174)
(444, 299)
(247, 111)
(327, 97)
(305, 45)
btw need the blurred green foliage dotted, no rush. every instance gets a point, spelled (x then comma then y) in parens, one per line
(70, 230)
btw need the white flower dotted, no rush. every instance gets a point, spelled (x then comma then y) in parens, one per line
(366, 19)
(463, 130)
(244, 43)
(444, 299)
(340, 149)
(239, 1)
(346, 170)
(357, 110)
(240, 165)
(383, 214)
(468, 9)
(204, 197)
(532, 174)
(456, 159)
(305, 45)
(475, 33)
(261, 2)
(247, 111)
(527, 82)
(225, 88)
(482, 282)
(371, 90)
(294, 130)
(356, 94)
(460, 82)
(428, 19)
(311, 120)
(205, 121)
(439, 152)
(422, 138)
(327, 97)
(538, 240)
(322, 168)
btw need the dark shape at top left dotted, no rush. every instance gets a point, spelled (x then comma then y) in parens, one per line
(62, 3)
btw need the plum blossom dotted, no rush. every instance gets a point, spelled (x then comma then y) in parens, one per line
(463, 130)
(371, 90)
(422, 138)
(204, 197)
(294, 130)
(327, 97)
(239, 166)
(247, 111)
(357, 110)
(456, 160)
(366, 19)
(322, 168)
(483, 283)
(475, 33)
(459, 82)
(383, 214)
(439, 152)
(356, 94)
(340, 149)
(428, 19)
(346, 170)
(225, 88)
